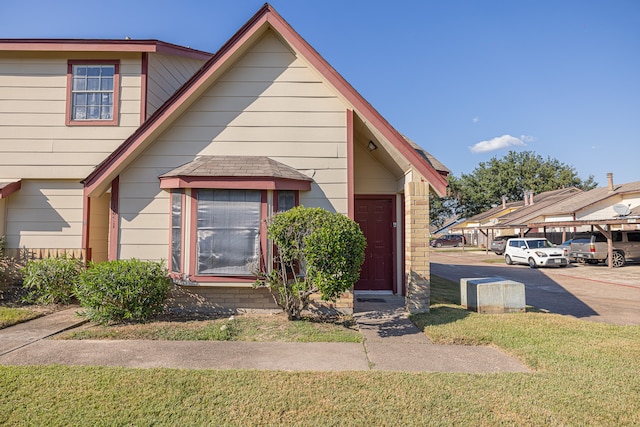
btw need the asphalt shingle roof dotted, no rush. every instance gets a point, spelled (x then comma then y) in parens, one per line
(237, 166)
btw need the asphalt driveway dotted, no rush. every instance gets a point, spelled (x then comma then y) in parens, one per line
(592, 292)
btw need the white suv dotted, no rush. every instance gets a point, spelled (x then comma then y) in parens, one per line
(536, 252)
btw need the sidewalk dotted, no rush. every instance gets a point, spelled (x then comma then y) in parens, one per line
(392, 343)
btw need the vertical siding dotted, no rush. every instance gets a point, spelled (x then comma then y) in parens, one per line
(165, 75)
(45, 214)
(34, 141)
(270, 103)
(99, 228)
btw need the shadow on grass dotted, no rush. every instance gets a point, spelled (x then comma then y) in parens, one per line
(439, 315)
(445, 305)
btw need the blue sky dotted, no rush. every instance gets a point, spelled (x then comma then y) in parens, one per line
(466, 79)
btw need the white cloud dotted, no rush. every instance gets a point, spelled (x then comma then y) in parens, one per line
(476, 119)
(499, 142)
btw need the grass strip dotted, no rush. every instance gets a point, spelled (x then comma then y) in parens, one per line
(11, 315)
(273, 328)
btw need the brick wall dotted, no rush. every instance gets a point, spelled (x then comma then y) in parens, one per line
(216, 299)
(417, 264)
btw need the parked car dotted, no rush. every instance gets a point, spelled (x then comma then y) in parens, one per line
(498, 244)
(449, 240)
(566, 247)
(535, 251)
(594, 248)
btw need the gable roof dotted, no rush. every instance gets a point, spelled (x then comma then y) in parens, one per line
(101, 45)
(510, 206)
(435, 163)
(516, 211)
(588, 198)
(545, 201)
(266, 18)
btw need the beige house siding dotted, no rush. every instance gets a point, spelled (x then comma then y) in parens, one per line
(267, 104)
(604, 209)
(34, 140)
(371, 177)
(165, 75)
(3, 207)
(45, 214)
(99, 227)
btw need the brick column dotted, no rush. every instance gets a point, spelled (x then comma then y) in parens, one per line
(417, 266)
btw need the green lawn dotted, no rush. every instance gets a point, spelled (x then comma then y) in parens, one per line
(583, 373)
(237, 328)
(11, 316)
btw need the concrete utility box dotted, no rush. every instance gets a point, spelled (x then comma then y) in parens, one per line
(492, 295)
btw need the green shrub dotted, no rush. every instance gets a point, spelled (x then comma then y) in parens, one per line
(51, 280)
(124, 290)
(316, 251)
(10, 270)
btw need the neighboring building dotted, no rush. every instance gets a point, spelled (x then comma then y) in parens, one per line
(476, 230)
(598, 207)
(122, 149)
(511, 218)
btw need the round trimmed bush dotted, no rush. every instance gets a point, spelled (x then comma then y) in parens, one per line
(123, 290)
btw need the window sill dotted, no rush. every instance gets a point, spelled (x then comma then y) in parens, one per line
(92, 123)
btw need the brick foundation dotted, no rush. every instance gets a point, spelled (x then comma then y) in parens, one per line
(232, 300)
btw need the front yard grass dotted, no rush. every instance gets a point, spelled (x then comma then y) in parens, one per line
(13, 315)
(274, 328)
(583, 373)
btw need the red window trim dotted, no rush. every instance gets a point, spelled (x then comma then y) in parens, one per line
(116, 92)
(193, 240)
(182, 229)
(239, 183)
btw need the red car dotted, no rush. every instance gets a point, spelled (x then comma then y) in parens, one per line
(449, 240)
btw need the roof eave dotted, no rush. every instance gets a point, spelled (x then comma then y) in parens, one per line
(101, 45)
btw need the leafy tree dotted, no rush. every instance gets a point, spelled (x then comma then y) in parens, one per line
(317, 252)
(510, 176)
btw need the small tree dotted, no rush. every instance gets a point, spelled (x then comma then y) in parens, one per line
(316, 252)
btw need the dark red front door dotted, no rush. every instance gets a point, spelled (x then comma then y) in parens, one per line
(375, 217)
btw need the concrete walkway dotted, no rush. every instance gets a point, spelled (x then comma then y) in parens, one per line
(392, 343)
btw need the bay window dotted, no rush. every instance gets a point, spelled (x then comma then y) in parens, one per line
(219, 205)
(228, 232)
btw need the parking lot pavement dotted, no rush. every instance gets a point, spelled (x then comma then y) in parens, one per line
(593, 292)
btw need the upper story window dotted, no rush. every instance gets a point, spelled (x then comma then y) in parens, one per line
(93, 92)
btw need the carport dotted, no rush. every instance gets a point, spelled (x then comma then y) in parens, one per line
(484, 230)
(599, 224)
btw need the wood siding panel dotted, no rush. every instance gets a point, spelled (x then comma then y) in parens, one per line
(34, 140)
(144, 251)
(165, 75)
(371, 177)
(45, 214)
(237, 104)
(99, 228)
